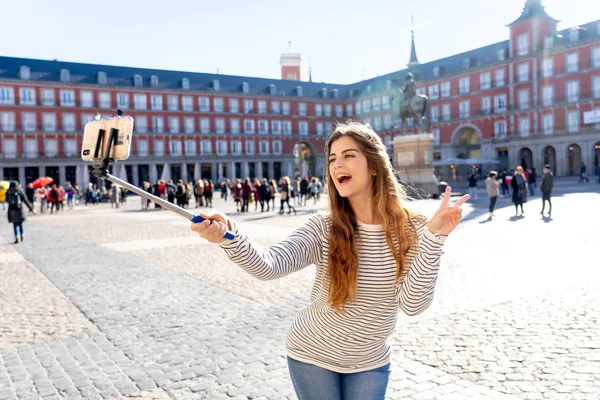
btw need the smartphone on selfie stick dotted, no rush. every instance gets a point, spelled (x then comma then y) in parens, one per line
(107, 140)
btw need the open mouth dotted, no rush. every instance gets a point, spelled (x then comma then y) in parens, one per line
(343, 179)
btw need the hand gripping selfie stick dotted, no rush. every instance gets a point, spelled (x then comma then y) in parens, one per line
(100, 170)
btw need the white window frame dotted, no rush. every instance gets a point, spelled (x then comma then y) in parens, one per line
(158, 147)
(435, 114)
(220, 125)
(189, 124)
(29, 121)
(434, 91)
(285, 108)
(547, 93)
(464, 108)
(349, 109)
(31, 147)
(104, 100)
(248, 105)
(446, 112)
(219, 104)
(158, 124)
(190, 147)
(277, 146)
(187, 103)
(249, 126)
(86, 98)
(143, 148)
(263, 147)
(49, 122)
(327, 108)
(320, 128)
(500, 129)
(205, 147)
(464, 85)
(486, 105)
(67, 98)
(69, 122)
(523, 99)
(51, 147)
(318, 110)
(302, 109)
(522, 44)
(175, 147)
(262, 106)
(173, 102)
(524, 126)
(204, 125)
(339, 110)
(156, 101)
(523, 72)
(47, 96)
(287, 127)
(572, 62)
(275, 107)
(221, 147)
(573, 117)
(7, 95)
(236, 147)
(263, 126)
(276, 127)
(500, 77)
(174, 124)
(234, 105)
(8, 121)
(204, 104)
(445, 89)
(596, 87)
(387, 120)
(596, 55)
(123, 100)
(485, 80)
(27, 96)
(500, 105)
(548, 123)
(9, 148)
(250, 147)
(234, 125)
(141, 124)
(303, 128)
(572, 97)
(547, 67)
(140, 101)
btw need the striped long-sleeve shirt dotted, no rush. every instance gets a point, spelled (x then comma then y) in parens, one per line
(356, 340)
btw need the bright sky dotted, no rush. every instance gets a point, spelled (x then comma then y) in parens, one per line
(347, 40)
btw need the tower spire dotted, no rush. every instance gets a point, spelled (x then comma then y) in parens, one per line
(309, 70)
(413, 51)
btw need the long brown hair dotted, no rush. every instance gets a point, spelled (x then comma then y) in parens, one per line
(389, 200)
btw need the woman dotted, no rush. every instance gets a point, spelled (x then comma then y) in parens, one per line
(237, 194)
(246, 192)
(199, 193)
(272, 192)
(285, 195)
(337, 347)
(256, 193)
(15, 199)
(208, 192)
(519, 187)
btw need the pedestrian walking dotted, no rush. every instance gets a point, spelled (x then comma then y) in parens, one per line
(492, 185)
(15, 199)
(546, 187)
(583, 174)
(472, 179)
(519, 187)
(374, 257)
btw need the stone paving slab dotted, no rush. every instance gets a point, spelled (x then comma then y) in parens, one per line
(32, 309)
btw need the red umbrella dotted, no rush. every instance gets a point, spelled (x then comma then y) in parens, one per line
(42, 181)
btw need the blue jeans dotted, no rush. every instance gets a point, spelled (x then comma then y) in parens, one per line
(18, 226)
(316, 383)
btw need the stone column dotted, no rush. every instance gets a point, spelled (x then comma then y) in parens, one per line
(62, 175)
(290, 169)
(220, 171)
(196, 172)
(232, 176)
(79, 174)
(413, 158)
(22, 176)
(136, 175)
(166, 173)
(153, 173)
(85, 175)
(184, 174)
(259, 171)
(271, 170)
(245, 169)
(1, 173)
(213, 172)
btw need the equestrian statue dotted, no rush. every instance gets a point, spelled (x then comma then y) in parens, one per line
(407, 104)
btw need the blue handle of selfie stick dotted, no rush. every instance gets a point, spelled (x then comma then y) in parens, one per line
(228, 235)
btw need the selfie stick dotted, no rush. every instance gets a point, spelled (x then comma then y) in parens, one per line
(100, 170)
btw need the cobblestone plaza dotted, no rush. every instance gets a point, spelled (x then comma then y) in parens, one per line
(100, 303)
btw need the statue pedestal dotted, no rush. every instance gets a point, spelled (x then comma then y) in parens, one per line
(413, 162)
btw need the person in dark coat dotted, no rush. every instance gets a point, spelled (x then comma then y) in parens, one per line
(546, 188)
(519, 187)
(15, 199)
